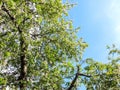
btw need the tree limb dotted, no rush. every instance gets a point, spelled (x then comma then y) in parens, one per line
(7, 11)
(75, 78)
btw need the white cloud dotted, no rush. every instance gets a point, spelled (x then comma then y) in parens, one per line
(113, 14)
(113, 10)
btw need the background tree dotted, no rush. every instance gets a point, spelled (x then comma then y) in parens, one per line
(104, 76)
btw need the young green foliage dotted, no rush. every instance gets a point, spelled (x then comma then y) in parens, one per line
(103, 76)
(38, 44)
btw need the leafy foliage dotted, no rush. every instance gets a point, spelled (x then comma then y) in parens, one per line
(104, 76)
(39, 50)
(38, 43)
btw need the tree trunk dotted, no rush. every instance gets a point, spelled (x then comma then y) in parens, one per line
(23, 62)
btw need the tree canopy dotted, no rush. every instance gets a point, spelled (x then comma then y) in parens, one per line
(40, 50)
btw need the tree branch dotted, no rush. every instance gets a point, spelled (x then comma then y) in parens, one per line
(80, 74)
(7, 11)
(75, 78)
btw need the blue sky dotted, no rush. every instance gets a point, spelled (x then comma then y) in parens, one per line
(99, 21)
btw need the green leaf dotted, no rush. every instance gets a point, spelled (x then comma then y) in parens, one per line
(7, 54)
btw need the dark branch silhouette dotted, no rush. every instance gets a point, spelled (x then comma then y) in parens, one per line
(75, 78)
(7, 11)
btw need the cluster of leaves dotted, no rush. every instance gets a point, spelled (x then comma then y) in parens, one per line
(104, 76)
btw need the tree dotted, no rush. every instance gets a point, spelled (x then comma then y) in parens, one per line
(104, 76)
(38, 44)
(39, 50)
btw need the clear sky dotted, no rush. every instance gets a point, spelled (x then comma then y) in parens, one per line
(99, 21)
